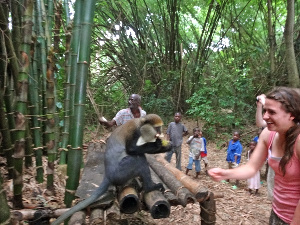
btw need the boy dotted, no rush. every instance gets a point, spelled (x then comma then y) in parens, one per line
(196, 146)
(175, 132)
(234, 152)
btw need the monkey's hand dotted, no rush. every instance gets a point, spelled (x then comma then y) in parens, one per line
(161, 146)
(165, 143)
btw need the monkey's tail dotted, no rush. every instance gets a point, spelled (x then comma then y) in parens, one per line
(81, 205)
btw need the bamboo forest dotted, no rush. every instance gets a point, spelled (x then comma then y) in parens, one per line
(66, 63)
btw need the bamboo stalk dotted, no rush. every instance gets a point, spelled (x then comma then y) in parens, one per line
(195, 187)
(77, 218)
(157, 204)
(183, 194)
(128, 200)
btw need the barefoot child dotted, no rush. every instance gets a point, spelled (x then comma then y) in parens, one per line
(196, 146)
(253, 182)
(203, 154)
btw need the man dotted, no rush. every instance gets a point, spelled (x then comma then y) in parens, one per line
(134, 110)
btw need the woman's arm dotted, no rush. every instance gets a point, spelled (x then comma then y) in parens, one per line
(248, 170)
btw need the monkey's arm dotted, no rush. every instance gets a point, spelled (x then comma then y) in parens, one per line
(150, 148)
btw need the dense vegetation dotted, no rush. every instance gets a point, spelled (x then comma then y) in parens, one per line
(64, 63)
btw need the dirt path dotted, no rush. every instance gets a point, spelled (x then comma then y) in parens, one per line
(237, 207)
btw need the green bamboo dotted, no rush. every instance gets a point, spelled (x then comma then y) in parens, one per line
(76, 141)
(7, 147)
(22, 103)
(35, 114)
(6, 141)
(16, 26)
(46, 24)
(71, 69)
(50, 17)
(50, 122)
(42, 52)
(56, 49)
(4, 208)
(49, 87)
(28, 145)
(66, 7)
(9, 101)
(13, 60)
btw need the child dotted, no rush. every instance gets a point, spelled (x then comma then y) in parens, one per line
(196, 146)
(253, 182)
(234, 152)
(203, 154)
(175, 132)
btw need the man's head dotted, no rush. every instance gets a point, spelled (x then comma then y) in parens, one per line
(134, 101)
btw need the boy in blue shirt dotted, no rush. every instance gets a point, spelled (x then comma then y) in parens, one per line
(234, 152)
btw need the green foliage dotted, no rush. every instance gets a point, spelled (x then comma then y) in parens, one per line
(224, 101)
(160, 106)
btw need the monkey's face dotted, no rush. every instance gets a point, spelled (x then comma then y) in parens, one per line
(148, 134)
(151, 129)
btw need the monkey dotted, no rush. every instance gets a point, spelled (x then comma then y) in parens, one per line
(125, 158)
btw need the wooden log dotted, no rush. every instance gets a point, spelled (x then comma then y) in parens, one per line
(97, 217)
(183, 194)
(128, 200)
(28, 214)
(77, 218)
(208, 210)
(193, 186)
(157, 204)
(169, 195)
(113, 213)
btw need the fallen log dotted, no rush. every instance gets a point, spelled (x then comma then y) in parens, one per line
(183, 194)
(128, 200)
(208, 210)
(97, 217)
(193, 186)
(169, 195)
(28, 214)
(157, 204)
(113, 213)
(77, 218)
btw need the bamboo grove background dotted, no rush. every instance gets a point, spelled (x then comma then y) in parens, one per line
(207, 59)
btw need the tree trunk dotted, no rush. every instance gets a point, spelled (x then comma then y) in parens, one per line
(272, 40)
(76, 137)
(21, 108)
(71, 69)
(290, 59)
(35, 112)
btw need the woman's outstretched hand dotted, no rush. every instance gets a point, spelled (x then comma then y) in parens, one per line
(217, 174)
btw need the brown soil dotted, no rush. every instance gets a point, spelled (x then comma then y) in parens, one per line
(237, 207)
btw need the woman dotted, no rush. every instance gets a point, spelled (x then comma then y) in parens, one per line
(280, 143)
